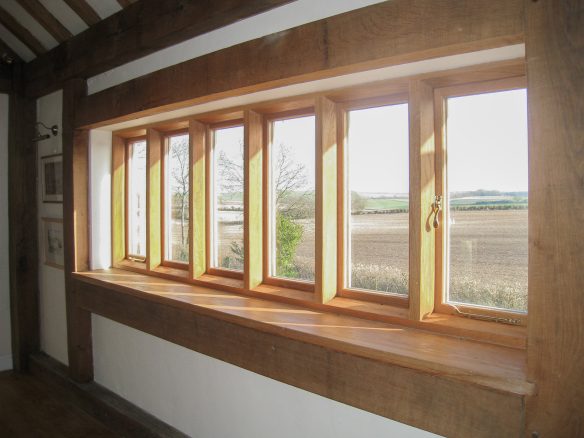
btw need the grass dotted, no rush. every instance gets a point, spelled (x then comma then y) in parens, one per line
(385, 203)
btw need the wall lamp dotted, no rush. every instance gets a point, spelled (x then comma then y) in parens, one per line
(39, 137)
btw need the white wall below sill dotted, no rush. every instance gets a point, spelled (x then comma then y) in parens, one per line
(6, 362)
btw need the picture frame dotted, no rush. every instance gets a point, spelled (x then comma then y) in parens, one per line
(52, 178)
(53, 242)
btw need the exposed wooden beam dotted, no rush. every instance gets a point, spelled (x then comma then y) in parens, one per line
(554, 38)
(76, 223)
(23, 225)
(6, 50)
(22, 33)
(390, 31)
(85, 11)
(41, 14)
(136, 31)
(125, 3)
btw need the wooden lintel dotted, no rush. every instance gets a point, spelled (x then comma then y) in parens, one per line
(316, 50)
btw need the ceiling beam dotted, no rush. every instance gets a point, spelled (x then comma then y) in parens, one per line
(6, 50)
(85, 11)
(126, 3)
(37, 10)
(140, 29)
(22, 33)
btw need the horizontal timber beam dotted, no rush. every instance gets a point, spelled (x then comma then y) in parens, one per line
(136, 31)
(391, 32)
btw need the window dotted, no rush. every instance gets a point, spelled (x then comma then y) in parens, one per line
(423, 198)
(136, 196)
(377, 199)
(486, 178)
(176, 198)
(227, 198)
(292, 198)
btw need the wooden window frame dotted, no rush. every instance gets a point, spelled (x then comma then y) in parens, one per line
(268, 278)
(210, 176)
(342, 268)
(163, 195)
(441, 305)
(422, 308)
(133, 258)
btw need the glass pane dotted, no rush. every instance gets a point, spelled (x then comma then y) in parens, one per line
(487, 194)
(137, 199)
(292, 186)
(177, 199)
(227, 240)
(377, 193)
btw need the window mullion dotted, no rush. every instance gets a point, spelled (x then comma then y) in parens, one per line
(253, 200)
(198, 199)
(326, 201)
(154, 145)
(422, 197)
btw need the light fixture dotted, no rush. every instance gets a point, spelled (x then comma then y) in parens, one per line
(39, 137)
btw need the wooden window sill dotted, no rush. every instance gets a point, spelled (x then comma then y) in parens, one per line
(403, 373)
(474, 330)
(493, 366)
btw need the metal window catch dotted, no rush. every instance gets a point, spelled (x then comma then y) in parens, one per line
(436, 207)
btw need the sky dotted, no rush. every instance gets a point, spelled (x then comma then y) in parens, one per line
(487, 142)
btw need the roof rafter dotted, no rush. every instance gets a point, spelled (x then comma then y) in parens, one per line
(38, 11)
(84, 10)
(22, 33)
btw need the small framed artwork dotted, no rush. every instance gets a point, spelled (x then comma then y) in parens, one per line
(52, 178)
(53, 243)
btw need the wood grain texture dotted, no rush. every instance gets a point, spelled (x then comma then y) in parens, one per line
(555, 72)
(253, 200)
(390, 31)
(140, 29)
(407, 375)
(422, 190)
(325, 277)
(23, 226)
(41, 14)
(76, 231)
(84, 10)
(118, 199)
(21, 32)
(198, 198)
(154, 145)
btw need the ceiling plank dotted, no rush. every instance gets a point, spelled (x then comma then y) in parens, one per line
(41, 14)
(22, 33)
(85, 11)
(125, 3)
(131, 33)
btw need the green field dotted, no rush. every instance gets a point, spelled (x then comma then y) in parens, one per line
(385, 203)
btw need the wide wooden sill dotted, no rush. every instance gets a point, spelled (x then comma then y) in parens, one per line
(441, 383)
(440, 323)
(492, 366)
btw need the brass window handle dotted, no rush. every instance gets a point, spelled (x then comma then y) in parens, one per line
(436, 207)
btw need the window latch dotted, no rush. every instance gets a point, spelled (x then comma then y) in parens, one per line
(436, 207)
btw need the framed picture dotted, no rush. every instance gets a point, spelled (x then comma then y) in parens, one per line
(52, 178)
(53, 243)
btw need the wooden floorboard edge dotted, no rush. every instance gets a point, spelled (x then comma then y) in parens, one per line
(116, 413)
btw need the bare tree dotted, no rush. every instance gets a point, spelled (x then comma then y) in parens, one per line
(179, 153)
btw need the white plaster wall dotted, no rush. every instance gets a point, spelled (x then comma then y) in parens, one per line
(53, 323)
(5, 340)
